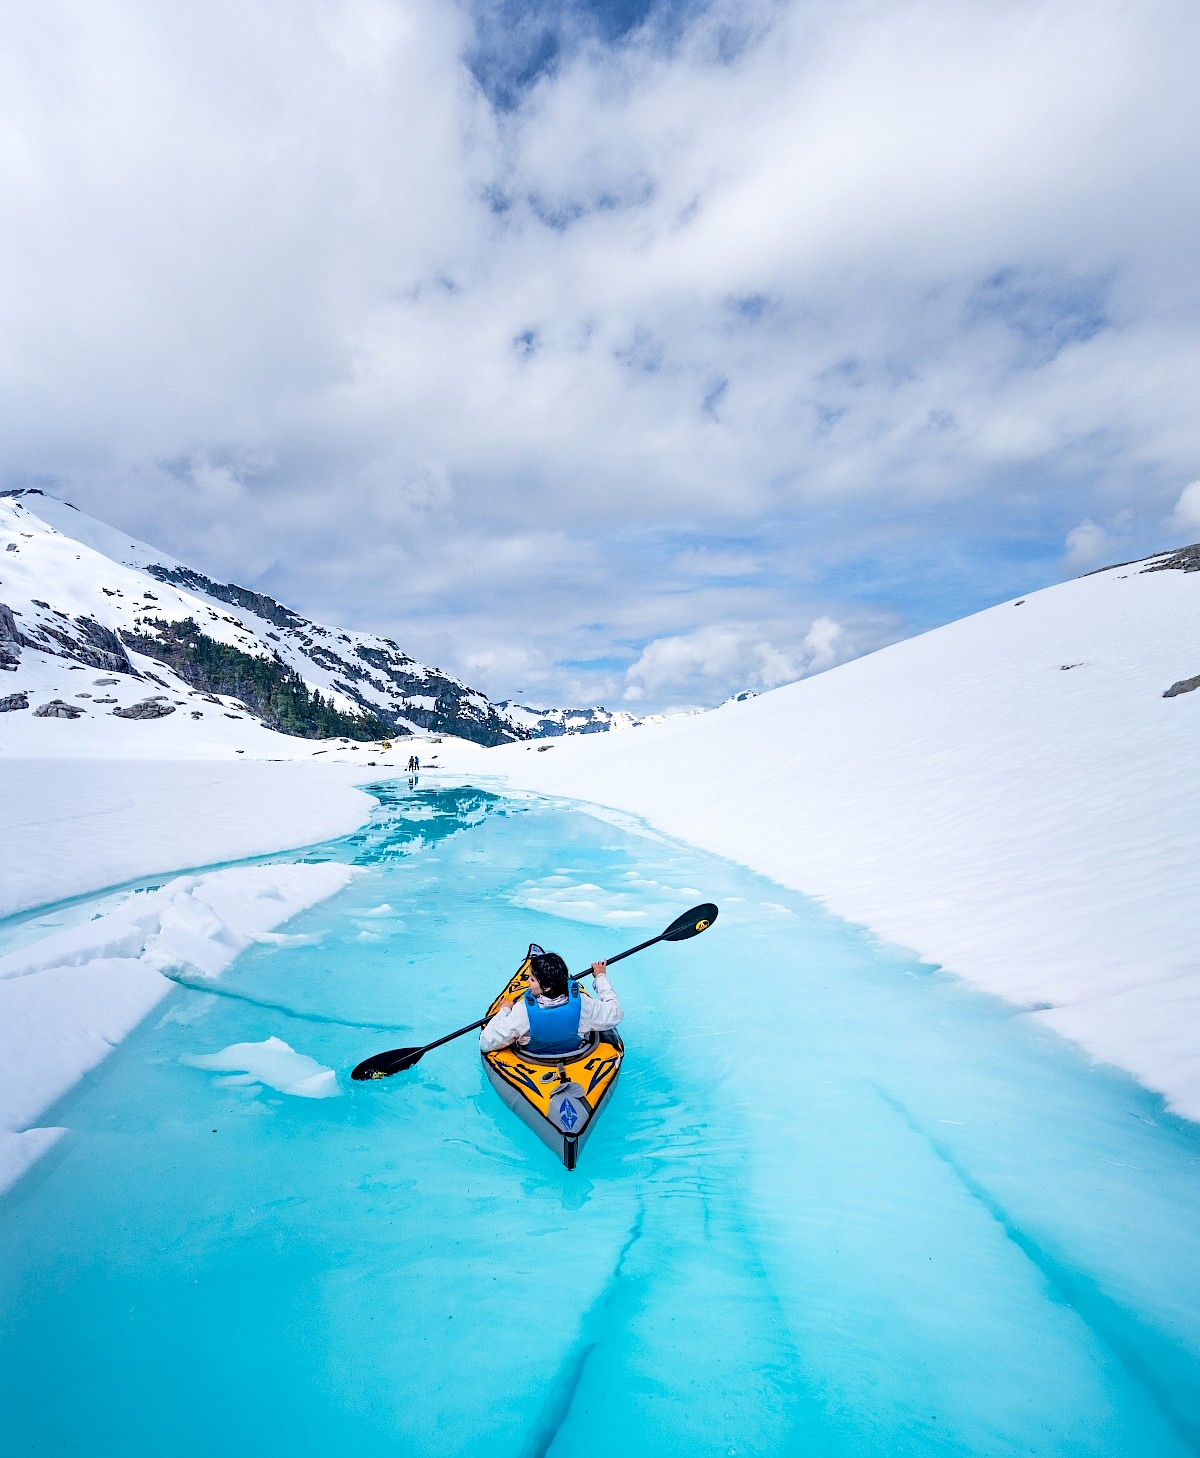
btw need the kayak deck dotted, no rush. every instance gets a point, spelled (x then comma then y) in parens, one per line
(560, 1096)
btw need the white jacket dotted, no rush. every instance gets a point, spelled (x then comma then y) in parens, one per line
(511, 1024)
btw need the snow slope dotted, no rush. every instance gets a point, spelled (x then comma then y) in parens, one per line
(69, 827)
(1011, 796)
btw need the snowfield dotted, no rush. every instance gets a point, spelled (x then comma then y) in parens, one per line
(1011, 796)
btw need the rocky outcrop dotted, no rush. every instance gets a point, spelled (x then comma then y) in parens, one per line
(58, 709)
(1182, 559)
(155, 708)
(90, 643)
(1186, 559)
(12, 640)
(13, 701)
(256, 602)
(1183, 686)
(83, 640)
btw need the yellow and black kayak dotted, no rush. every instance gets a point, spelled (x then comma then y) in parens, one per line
(559, 1095)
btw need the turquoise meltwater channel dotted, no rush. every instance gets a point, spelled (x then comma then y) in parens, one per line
(840, 1204)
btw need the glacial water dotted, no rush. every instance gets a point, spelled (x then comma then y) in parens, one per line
(839, 1205)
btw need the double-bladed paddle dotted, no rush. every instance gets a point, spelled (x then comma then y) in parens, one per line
(396, 1060)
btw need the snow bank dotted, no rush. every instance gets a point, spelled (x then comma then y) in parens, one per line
(1011, 796)
(69, 827)
(67, 999)
(273, 1063)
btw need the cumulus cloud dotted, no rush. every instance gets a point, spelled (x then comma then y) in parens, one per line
(821, 643)
(714, 659)
(1087, 545)
(1187, 508)
(583, 334)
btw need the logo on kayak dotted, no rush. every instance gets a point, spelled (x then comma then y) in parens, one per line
(568, 1115)
(703, 925)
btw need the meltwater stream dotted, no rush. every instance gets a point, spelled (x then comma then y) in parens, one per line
(839, 1205)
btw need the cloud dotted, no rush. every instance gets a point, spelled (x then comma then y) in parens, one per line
(519, 325)
(821, 643)
(1087, 545)
(725, 660)
(1187, 508)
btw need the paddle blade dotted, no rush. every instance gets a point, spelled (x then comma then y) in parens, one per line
(383, 1065)
(691, 923)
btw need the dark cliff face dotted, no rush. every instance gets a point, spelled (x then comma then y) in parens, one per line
(257, 603)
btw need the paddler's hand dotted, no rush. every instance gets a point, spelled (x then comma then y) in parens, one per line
(599, 969)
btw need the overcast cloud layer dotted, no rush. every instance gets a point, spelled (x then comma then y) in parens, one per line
(630, 354)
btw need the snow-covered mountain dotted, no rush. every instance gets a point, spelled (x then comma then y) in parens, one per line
(77, 596)
(553, 723)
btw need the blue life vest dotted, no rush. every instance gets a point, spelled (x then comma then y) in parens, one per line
(554, 1029)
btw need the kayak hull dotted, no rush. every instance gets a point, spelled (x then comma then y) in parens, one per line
(561, 1096)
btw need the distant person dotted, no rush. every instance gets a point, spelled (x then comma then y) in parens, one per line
(552, 1017)
(416, 764)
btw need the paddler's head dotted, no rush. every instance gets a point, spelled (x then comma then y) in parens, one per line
(548, 975)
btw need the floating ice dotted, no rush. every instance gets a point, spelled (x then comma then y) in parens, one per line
(273, 1063)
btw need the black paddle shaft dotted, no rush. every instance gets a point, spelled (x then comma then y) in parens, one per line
(396, 1060)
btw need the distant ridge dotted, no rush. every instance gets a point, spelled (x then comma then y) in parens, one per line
(86, 595)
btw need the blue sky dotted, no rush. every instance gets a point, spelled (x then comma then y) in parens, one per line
(628, 353)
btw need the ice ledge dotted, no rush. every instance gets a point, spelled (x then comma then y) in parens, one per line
(67, 1000)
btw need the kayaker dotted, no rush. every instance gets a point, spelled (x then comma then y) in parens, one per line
(552, 1017)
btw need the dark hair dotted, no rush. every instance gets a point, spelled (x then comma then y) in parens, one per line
(551, 973)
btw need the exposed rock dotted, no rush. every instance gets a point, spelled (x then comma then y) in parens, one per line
(89, 642)
(13, 701)
(11, 639)
(58, 709)
(256, 602)
(1182, 559)
(154, 708)
(1183, 686)
(1186, 559)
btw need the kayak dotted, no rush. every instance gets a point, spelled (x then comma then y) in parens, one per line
(559, 1095)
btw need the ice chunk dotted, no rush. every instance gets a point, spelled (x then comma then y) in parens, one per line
(273, 1063)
